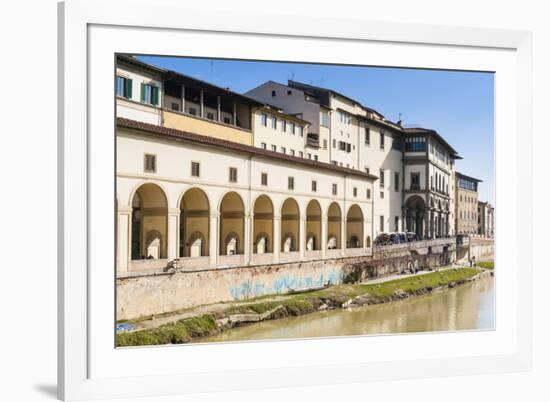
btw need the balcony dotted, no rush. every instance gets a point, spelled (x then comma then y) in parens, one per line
(198, 125)
(312, 140)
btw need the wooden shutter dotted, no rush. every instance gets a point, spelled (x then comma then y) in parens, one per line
(128, 88)
(155, 95)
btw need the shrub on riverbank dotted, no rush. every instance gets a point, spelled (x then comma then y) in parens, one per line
(486, 264)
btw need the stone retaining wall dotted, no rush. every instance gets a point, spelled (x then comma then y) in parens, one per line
(160, 292)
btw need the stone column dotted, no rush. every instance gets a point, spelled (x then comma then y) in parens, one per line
(302, 236)
(248, 218)
(324, 236)
(276, 237)
(427, 219)
(173, 233)
(343, 234)
(123, 244)
(214, 239)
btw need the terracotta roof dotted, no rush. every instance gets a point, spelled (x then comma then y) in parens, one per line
(234, 146)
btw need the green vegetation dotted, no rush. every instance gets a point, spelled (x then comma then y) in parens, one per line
(486, 264)
(185, 330)
(181, 331)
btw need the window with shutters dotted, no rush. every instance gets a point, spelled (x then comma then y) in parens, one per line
(314, 185)
(233, 175)
(150, 163)
(264, 179)
(150, 94)
(274, 123)
(195, 169)
(367, 136)
(291, 183)
(264, 120)
(123, 87)
(334, 189)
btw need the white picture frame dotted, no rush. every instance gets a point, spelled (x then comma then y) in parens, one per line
(89, 366)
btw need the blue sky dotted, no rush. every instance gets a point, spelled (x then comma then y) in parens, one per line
(459, 105)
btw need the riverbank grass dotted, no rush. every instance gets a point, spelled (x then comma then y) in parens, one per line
(486, 264)
(185, 330)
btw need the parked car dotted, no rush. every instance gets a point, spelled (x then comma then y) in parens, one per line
(411, 236)
(394, 238)
(382, 239)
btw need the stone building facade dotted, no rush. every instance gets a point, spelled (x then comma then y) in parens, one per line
(284, 173)
(466, 201)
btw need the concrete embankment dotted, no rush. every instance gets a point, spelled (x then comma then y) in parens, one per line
(183, 327)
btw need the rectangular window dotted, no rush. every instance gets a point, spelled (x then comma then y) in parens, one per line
(175, 106)
(382, 138)
(150, 163)
(149, 94)
(210, 115)
(324, 144)
(301, 131)
(333, 143)
(273, 93)
(368, 193)
(274, 148)
(264, 120)
(283, 126)
(227, 120)
(292, 128)
(274, 122)
(381, 195)
(301, 154)
(264, 145)
(124, 87)
(313, 185)
(283, 150)
(232, 175)
(264, 179)
(355, 191)
(367, 170)
(291, 183)
(324, 119)
(396, 224)
(381, 223)
(316, 157)
(292, 152)
(415, 181)
(334, 189)
(396, 181)
(195, 169)
(382, 179)
(367, 136)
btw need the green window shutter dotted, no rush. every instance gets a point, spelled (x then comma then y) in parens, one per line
(142, 92)
(155, 95)
(128, 88)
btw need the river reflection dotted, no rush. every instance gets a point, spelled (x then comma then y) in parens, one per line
(466, 307)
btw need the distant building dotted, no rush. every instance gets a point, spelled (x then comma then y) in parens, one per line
(486, 214)
(466, 204)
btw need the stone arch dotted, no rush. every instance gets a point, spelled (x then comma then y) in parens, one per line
(149, 222)
(313, 226)
(334, 217)
(263, 225)
(354, 227)
(290, 225)
(231, 224)
(415, 212)
(194, 223)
